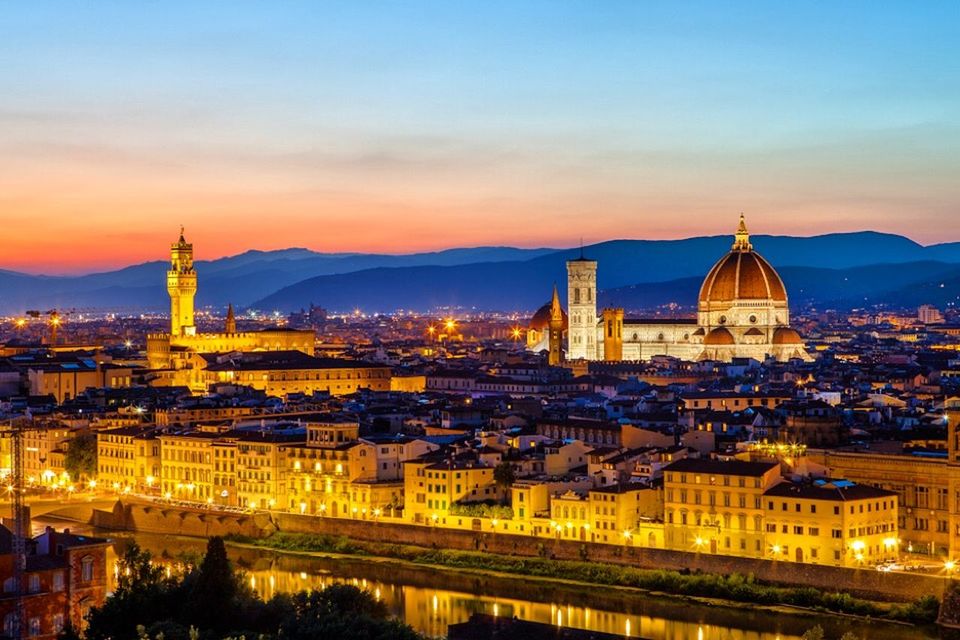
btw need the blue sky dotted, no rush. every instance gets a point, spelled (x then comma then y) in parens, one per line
(394, 126)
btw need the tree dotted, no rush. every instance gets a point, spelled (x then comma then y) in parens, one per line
(814, 633)
(214, 591)
(81, 458)
(144, 593)
(136, 568)
(342, 611)
(504, 476)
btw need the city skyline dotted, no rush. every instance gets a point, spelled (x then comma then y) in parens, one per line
(392, 129)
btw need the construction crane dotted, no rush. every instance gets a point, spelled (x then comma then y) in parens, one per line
(21, 521)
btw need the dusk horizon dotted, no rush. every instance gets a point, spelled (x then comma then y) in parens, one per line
(158, 251)
(391, 128)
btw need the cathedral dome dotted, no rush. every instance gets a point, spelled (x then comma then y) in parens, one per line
(541, 319)
(719, 336)
(742, 274)
(786, 335)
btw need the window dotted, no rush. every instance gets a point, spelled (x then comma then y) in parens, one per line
(34, 627)
(34, 584)
(58, 623)
(9, 585)
(86, 569)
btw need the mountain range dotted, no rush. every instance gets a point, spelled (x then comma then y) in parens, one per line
(843, 269)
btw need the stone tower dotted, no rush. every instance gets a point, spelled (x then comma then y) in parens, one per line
(230, 326)
(555, 330)
(613, 334)
(182, 287)
(582, 309)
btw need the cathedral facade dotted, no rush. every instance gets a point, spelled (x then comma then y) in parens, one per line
(742, 311)
(176, 352)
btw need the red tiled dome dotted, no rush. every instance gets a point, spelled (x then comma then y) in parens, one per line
(742, 275)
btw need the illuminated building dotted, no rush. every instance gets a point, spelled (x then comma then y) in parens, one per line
(65, 577)
(261, 461)
(742, 311)
(279, 373)
(432, 487)
(831, 522)
(712, 506)
(63, 376)
(172, 351)
(187, 465)
(126, 458)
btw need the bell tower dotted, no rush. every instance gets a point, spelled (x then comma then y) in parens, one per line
(182, 287)
(582, 309)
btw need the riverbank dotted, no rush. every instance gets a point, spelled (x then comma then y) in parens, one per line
(733, 589)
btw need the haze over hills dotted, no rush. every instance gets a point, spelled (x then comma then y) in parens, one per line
(843, 268)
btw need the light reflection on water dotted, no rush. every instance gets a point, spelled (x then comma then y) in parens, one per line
(413, 594)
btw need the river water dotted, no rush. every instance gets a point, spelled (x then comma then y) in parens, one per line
(430, 599)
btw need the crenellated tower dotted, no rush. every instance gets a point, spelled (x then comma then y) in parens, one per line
(182, 287)
(582, 309)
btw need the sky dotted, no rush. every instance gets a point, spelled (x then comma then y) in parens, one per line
(405, 126)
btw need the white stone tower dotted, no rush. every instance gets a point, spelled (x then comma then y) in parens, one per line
(582, 309)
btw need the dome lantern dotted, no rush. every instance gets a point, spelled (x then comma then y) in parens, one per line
(742, 239)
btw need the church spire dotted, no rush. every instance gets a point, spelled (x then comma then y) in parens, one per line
(230, 326)
(556, 311)
(742, 241)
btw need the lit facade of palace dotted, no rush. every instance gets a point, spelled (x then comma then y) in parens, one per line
(742, 311)
(172, 353)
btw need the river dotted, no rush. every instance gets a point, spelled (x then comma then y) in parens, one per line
(430, 599)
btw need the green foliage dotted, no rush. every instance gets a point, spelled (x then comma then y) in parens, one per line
(211, 602)
(340, 611)
(734, 587)
(80, 460)
(816, 633)
(486, 509)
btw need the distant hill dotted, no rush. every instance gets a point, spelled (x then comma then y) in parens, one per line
(240, 279)
(657, 272)
(906, 285)
(642, 273)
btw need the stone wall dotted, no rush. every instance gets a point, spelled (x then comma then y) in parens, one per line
(865, 582)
